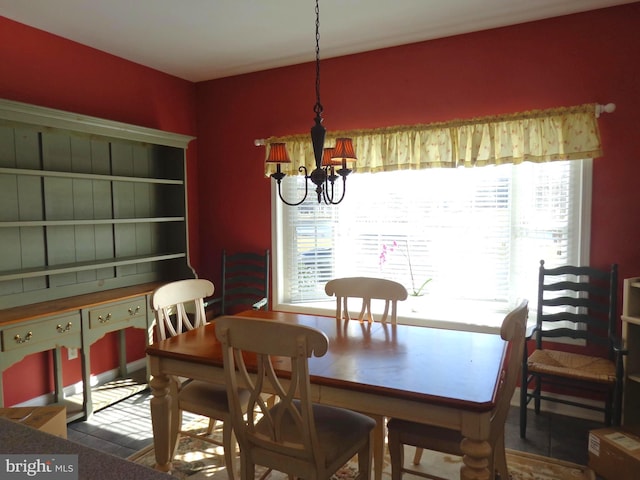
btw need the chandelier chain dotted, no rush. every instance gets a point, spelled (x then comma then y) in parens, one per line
(318, 106)
(325, 174)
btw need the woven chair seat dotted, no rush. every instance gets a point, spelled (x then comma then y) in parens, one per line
(573, 365)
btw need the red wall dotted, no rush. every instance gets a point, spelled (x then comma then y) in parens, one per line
(583, 58)
(571, 60)
(46, 70)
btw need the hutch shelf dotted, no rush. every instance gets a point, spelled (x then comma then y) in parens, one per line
(631, 338)
(93, 218)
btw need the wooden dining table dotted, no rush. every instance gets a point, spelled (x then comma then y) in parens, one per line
(436, 376)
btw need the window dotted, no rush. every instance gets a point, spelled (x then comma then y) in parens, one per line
(477, 233)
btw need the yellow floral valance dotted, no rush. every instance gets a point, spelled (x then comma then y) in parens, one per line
(538, 136)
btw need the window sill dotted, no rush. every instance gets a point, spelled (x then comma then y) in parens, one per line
(472, 316)
(482, 317)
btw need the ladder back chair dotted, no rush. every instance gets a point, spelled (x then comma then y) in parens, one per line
(430, 437)
(366, 289)
(245, 283)
(579, 304)
(294, 436)
(178, 307)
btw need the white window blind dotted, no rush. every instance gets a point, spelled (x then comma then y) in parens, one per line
(477, 233)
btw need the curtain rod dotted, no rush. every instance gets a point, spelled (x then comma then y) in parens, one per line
(600, 109)
(608, 108)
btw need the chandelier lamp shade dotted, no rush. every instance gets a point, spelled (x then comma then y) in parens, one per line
(331, 164)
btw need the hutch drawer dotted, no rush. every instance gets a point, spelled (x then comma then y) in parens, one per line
(47, 333)
(127, 311)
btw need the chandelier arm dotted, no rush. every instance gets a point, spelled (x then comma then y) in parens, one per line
(330, 178)
(344, 190)
(331, 175)
(301, 169)
(327, 197)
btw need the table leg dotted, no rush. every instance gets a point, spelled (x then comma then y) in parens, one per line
(475, 460)
(161, 421)
(378, 447)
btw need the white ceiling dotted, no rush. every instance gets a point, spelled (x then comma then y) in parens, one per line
(205, 39)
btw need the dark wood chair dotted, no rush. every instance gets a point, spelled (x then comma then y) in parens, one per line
(578, 304)
(245, 284)
(431, 437)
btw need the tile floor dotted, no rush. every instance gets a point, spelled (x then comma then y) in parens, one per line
(125, 427)
(551, 435)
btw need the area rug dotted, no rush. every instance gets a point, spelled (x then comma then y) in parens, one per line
(198, 459)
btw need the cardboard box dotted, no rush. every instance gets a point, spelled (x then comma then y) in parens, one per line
(51, 419)
(614, 453)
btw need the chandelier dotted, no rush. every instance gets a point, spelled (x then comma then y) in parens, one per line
(331, 163)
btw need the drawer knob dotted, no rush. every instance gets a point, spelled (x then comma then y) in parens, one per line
(133, 312)
(27, 337)
(105, 319)
(62, 329)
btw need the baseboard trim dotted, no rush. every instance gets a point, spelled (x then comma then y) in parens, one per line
(562, 409)
(76, 388)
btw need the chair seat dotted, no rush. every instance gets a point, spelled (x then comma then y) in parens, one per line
(338, 429)
(572, 365)
(207, 399)
(427, 436)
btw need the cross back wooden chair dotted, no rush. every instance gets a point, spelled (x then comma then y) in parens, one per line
(178, 307)
(366, 289)
(293, 436)
(402, 432)
(578, 304)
